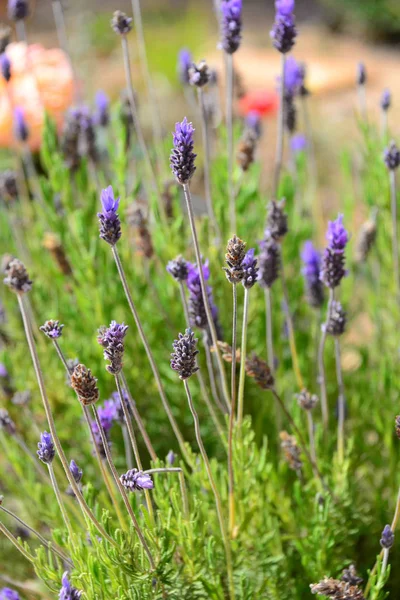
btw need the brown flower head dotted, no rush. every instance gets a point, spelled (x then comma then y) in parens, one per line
(85, 385)
(257, 369)
(337, 590)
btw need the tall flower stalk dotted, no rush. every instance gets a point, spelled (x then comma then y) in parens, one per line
(183, 361)
(386, 101)
(183, 167)
(392, 161)
(269, 264)
(308, 402)
(362, 90)
(231, 36)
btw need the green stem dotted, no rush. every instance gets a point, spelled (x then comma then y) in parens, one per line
(270, 342)
(14, 541)
(339, 376)
(321, 363)
(243, 353)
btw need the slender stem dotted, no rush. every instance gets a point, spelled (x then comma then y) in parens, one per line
(155, 120)
(292, 341)
(229, 130)
(311, 436)
(234, 343)
(45, 543)
(184, 303)
(60, 501)
(62, 357)
(362, 100)
(138, 418)
(384, 125)
(14, 541)
(150, 356)
(207, 168)
(232, 415)
(321, 363)
(243, 353)
(137, 126)
(395, 239)
(204, 292)
(132, 438)
(39, 375)
(127, 446)
(122, 489)
(214, 488)
(211, 376)
(280, 134)
(339, 376)
(270, 342)
(59, 20)
(20, 30)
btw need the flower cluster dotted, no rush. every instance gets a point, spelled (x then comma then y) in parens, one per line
(250, 269)
(102, 112)
(112, 340)
(9, 594)
(76, 472)
(178, 268)
(306, 400)
(183, 358)
(18, 9)
(5, 66)
(257, 369)
(333, 261)
(21, 130)
(68, 592)
(284, 31)
(121, 23)
(235, 253)
(386, 100)
(387, 538)
(269, 261)
(337, 590)
(85, 385)
(182, 156)
(110, 224)
(291, 451)
(52, 329)
(231, 25)
(6, 422)
(135, 480)
(337, 320)
(311, 270)
(46, 451)
(197, 311)
(199, 74)
(391, 156)
(185, 61)
(17, 277)
(277, 219)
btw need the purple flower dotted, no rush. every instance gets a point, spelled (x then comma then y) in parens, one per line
(184, 63)
(183, 358)
(387, 538)
(21, 130)
(182, 156)
(197, 312)
(98, 440)
(386, 100)
(5, 65)
(361, 74)
(298, 143)
(17, 9)
(231, 25)
(3, 371)
(311, 270)
(253, 123)
(250, 269)
(46, 451)
(333, 262)
(8, 594)
(112, 340)
(110, 225)
(102, 115)
(178, 268)
(76, 472)
(108, 414)
(171, 457)
(68, 592)
(284, 7)
(269, 260)
(391, 157)
(294, 76)
(53, 329)
(283, 33)
(135, 480)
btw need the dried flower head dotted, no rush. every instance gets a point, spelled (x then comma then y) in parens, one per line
(110, 224)
(199, 74)
(365, 240)
(85, 385)
(178, 268)
(231, 25)
(183, 358)
(333, 261)
(235, 253)
(53, 244)
(18, 9)
(307, 400)
(257, 369)
(21, 398)
(8, 185)
(350, 576)
(291, 451)
(269, 260)
(121, 23)
(337, 590)
(226, 352)
(182, 156)
(387, 538)
(337, 321)
(76, 472)
(70, 140)
(277, 219)
(46, 451)
(112, 340)
(53, 329)
(250, 269)
(17, 277)
(6, 422)
(68, 592)
(311, 270)
(386, 100)
(135, 480)
(246, 150)
(391, 156)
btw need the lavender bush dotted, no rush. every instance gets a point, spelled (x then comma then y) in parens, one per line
(129, 467)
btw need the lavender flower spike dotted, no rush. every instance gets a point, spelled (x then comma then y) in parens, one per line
(21, 130)
(77, 473)
(311, 270)
(53, 329)
(6, 422)
(386, 100)
(135, 480)
(182, 156)
(387, 538)
(183, 358)
(68, 592)
(102, 114)
(18, 9)
(391, 157)
(178, 268)
(283, 33)
(269, 261)
(184, 63)
(112, 340)
(333, 261)
(250, 269)
(231, 25)
(9, 594)
(5, 66)
(284, 7)
(171, 457)
(46, 451)
(110, 224)
(361, 74)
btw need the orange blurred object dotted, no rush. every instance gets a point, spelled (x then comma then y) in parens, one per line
(41, 80)
(264, 102)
